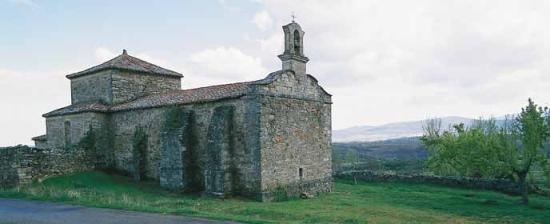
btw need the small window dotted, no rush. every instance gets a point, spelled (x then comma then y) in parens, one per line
(67, 130)
(301, 173)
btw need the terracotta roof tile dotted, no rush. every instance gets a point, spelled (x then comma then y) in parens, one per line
(203, 94)
(129, 63)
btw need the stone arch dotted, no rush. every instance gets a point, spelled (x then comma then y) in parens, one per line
(297, 43)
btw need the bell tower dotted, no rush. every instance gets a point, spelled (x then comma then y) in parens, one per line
(293, 57)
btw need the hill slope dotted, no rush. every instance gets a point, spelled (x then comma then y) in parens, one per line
(400, 148)
(390, 131)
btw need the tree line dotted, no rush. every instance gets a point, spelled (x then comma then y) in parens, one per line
(485, 149)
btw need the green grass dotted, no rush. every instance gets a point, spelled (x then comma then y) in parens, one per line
(362, 203)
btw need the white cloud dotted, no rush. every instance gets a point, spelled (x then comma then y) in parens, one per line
(272, 44)
(225, 64)
(262, 20)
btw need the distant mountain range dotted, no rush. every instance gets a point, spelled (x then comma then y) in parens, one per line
(391, 131)
(399, 148)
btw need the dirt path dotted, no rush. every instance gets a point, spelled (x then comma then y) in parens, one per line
(23, 211)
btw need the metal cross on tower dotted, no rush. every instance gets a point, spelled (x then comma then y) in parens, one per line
(293, 16)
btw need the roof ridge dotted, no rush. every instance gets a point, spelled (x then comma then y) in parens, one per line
(125, 61)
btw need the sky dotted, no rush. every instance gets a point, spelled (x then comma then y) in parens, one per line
(382, 60)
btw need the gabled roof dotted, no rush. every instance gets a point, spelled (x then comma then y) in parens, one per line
(127, 63)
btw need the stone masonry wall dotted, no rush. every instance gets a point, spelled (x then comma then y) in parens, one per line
(153, 122)
(296, 86)
(295, 137)
(171, 167)
(79, 126)
(178, 167)
(15, 166)
(22, 164)
(92, 88)
(127, 86)
(295, 144)
(113, 86)
(221, 172)
(124, 126)
(54, 162)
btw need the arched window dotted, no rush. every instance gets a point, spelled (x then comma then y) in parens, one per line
(297, 43)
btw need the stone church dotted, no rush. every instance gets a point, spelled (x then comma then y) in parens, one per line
(254, 138)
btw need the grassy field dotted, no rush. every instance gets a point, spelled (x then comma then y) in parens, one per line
(362, 203)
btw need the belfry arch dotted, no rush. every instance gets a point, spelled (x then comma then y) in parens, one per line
(297, 43)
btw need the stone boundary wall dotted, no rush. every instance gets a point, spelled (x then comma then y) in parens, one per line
(60, 162)
(15, 166)
(501, 185)
(22, 164)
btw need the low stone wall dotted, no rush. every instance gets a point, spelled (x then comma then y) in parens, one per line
(501, 185)
(61, 162)
(23, 164)
(15, 165)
